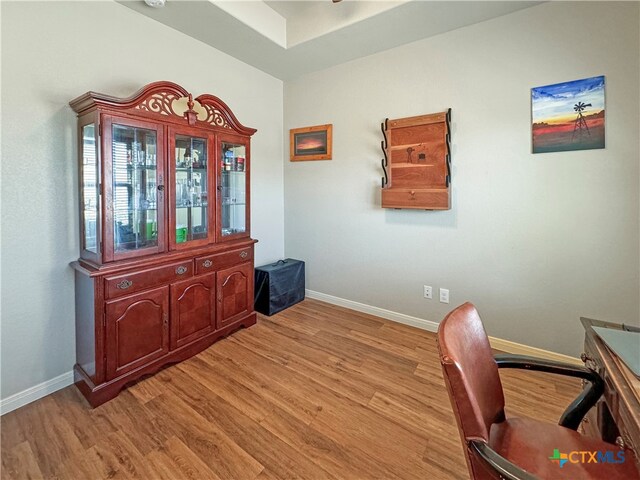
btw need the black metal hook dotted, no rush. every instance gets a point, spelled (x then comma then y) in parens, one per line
(448, 142)
(383, 146)
(383, 128)
(385, 179)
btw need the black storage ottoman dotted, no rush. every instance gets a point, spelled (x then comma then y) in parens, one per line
(279, 285)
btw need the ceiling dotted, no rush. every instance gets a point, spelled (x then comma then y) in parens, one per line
(291, 38)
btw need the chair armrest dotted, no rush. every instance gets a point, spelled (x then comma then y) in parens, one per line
(495, 461)
(576, 411)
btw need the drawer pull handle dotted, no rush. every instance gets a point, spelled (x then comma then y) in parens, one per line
(181, 270)
(124, 284)
(207, 263)
(243, 254)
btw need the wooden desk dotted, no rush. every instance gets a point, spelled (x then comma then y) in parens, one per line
(616, 417)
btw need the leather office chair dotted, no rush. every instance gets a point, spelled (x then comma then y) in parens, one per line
(517, 448)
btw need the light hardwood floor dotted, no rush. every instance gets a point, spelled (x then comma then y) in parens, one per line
(315, 392)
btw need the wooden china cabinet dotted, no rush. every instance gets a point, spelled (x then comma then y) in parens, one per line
(166, 262)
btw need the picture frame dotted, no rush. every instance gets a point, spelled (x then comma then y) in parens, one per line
(311, 143)
(568, 116)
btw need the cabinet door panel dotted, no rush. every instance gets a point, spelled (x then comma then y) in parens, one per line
(191, 177)
(134, 188)
(192, 309)
(233, 188)
(137, 330)
(235, 293)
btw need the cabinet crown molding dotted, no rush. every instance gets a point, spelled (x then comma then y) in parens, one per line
(166, 101)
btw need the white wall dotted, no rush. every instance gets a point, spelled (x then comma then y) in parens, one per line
(535, 241)
(51, 53)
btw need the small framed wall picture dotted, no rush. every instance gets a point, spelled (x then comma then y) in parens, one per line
(311, 143)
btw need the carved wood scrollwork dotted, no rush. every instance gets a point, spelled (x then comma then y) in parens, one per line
(167, 99)
(161, 103)
(215, 117)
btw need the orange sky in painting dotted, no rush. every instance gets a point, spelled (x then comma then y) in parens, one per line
(309, 143)
(539, 129)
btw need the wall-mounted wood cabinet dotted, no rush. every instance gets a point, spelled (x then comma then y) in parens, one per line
(417, 162)
(166, 258)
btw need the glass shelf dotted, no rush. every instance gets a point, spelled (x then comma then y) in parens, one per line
(200, 205)
(141, 167)
(191, 169)
(131, 210)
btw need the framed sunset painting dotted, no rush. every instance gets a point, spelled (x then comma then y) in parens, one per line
(311, 143)
(568, 116)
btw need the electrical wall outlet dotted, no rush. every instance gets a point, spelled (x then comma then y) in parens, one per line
(428, 292)
(444, 295)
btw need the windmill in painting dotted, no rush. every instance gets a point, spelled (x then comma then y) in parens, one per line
(568, 116)
(580, 123)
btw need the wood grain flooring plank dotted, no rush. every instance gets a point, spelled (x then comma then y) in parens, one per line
(405, 335)
(328, 372)
(52, 439)
(342, 462)
(163, 467)
(315, 392)
(418, 419)
(385, 345)
(178, 461)
(338, 319)
(115, 457)
(146, 390)
(89, 426)
(266, 386)
(208, 372)
(210, 443)
(443, 460)
(283, 460)
(294, 321)
(363, 351)
(19, 462)
(146, 431)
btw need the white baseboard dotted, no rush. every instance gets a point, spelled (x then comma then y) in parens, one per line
(378, 312)
(497, 343)
(36, 392)
(520, 349)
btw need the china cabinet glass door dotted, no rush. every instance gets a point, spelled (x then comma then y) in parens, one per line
(90, 206)
(136, 188)
(191, 215)
(233, 179)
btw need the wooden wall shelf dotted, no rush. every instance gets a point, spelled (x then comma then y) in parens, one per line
(417, 162)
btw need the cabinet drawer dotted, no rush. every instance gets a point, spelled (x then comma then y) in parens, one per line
(215, 262)
(119, 285)
(425, 199)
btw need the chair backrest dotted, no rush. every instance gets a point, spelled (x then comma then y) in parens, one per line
(470, 373)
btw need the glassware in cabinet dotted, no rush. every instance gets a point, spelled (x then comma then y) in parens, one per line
(90, 183)
(135, 190)
(191, 215)
(233, 189)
